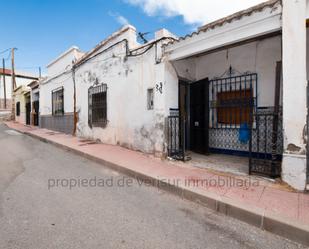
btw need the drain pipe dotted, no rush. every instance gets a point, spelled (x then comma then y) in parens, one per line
(74, 102)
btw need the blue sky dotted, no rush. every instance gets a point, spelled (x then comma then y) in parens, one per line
(42, 29)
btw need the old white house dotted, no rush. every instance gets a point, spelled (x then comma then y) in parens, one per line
(236, 86)
(242, 88)
(56, 93)
(122, 95)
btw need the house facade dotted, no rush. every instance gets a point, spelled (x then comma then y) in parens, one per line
(251, 68)
(22, 108)
(122, 91)
(21, 78)
(35, 102)
(56, 93)
(236, 86)
(115, 91)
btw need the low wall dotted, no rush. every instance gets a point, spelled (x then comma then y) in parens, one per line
(62, 123)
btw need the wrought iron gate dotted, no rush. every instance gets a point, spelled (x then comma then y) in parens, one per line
(176, 136)
(266, 143)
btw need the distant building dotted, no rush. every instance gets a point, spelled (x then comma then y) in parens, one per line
(21, 78)
(22, 104)
(35, 102)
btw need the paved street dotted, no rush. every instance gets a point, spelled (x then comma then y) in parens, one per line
(39, 210)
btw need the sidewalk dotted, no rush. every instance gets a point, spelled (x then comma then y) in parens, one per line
(259, 202)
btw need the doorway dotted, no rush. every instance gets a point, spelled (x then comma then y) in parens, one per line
(36, 107)
(28, 111)
(199, 116)
(194, 113)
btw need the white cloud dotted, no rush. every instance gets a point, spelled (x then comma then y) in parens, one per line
(119, 18)
(196, 12)
(122, 20)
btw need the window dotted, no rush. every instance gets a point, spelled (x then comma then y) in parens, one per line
(97, 113)
(18, 109)
(150, 99)
(58, 102)
(234, 107)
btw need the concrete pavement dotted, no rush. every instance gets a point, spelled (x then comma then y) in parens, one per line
(270, 206)
(38, 213)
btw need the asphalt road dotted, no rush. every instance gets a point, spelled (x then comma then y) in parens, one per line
(38, 209)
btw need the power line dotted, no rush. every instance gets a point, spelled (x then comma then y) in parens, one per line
(4, 51)
(9, 56)
(28, 67)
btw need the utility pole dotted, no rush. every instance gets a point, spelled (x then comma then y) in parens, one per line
(4, 84)
(13, 83)
(13, 69)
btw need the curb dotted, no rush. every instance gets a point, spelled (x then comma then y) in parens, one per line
(257, 217)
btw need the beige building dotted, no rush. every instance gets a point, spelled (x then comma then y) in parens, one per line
(22, 108)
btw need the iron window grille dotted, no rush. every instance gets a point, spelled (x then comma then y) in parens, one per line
(18, 109)
(97, 106)
(58, 101)
(233, 101)
(233, 107)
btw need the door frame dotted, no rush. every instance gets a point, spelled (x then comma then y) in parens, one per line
(185, 85)
(28, 113)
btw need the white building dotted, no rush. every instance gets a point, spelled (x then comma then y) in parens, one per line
(129, 77)
(237, 86)
(56, 93)
(250, 43)
(132, 81)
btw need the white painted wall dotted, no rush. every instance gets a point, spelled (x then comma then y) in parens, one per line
(294, 91)
(256, 57)
(130, 124)
(46, 89)
(64, 61)
(59, 75)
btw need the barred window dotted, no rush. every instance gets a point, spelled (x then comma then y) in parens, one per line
(234, 107)
(18, 109)
(58, 101)
(97, 112)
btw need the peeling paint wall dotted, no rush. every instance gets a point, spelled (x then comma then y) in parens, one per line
(295, 78)
(130, 123)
